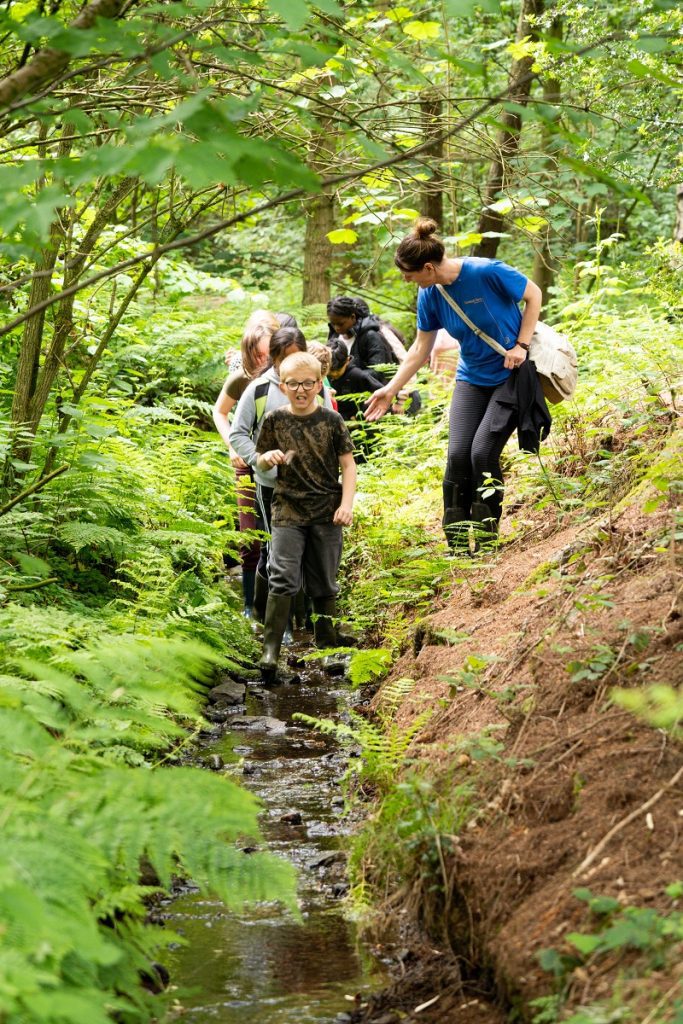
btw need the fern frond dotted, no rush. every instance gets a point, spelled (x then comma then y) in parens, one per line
(79, 535)
(392, 695)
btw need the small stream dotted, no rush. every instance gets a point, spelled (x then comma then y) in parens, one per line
(262, 965)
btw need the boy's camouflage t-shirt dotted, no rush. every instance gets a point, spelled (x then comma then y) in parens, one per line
(307, 489)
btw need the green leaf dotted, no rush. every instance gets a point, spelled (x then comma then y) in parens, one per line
(330, 7)
(342, 236)
(531, 223)
(502, 206)
(551, 961)
(80, 120)
(586, 944)
(641, 70)
(31, 565)
(467, 238)
(405, 211)
(422, 30)
(294, 12)
(655, 44)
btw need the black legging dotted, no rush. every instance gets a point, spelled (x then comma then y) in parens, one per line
(473, 451)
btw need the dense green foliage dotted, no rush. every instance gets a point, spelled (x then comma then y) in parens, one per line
(217, 129)
(115, 616)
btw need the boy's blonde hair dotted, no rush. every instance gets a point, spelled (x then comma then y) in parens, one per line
(322, 354)
(300, 361)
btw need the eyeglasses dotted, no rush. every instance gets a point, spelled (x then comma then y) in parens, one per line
(294, 385)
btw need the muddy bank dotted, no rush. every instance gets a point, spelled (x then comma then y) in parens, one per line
(574, 792)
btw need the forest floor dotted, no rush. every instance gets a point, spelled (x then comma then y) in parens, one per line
(579, 794)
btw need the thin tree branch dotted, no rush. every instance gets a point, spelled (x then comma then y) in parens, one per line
(37, 486)
(49, 62)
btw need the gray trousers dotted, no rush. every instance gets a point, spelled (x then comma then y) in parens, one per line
(308, 554)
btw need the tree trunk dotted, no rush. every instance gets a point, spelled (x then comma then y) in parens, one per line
(545, 263)
(507, 140)
(431, 200)
(28, 363)
(318, 250)
(32, 337)
(78, 392)
(678, 227)
(35, 382)
(319, 221)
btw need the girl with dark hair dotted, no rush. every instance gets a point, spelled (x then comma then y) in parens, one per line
(489, 292)
(254, 351)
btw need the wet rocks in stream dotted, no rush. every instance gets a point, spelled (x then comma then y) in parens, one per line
(227, 693)
(216, 714)
(291, 818)
(259, 723)
(214, 762)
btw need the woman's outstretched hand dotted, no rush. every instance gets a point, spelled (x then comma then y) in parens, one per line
(378, 404)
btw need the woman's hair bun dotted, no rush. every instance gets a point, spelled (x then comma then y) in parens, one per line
(424, 227)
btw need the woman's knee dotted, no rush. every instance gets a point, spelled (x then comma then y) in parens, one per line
(459, 462)
(485, 459)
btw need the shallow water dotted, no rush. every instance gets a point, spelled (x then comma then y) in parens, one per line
(262, 965)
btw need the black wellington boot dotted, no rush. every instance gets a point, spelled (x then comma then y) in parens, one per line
(299, 610)
(260, 596)
(482, 514)
(325, 632)
(455, 516)
(277, 617)
(248, 581)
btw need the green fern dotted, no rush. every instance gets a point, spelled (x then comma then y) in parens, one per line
(392, 695)
(75, 826)
(383, 746)
(113, 542)
(368, 665)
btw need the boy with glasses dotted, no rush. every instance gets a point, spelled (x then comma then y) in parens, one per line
(309, 445)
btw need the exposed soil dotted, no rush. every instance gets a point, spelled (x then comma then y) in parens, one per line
(605, 594)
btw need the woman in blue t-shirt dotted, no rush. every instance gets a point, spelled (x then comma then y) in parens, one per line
(489, 293)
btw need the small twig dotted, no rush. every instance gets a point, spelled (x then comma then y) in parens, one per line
(664, 1001)
(4, 509)
(597, 850)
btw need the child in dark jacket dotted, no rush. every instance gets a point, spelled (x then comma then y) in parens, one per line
(348, 379)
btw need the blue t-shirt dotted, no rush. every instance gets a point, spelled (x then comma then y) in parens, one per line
(489, 291)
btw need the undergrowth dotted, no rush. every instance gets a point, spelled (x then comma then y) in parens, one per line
(115, 615)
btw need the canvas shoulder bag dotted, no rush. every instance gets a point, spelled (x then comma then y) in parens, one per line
(552, 352)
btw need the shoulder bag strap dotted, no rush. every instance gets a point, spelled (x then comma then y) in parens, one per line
(495, 345)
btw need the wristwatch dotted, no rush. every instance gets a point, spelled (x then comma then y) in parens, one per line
(522, 345)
